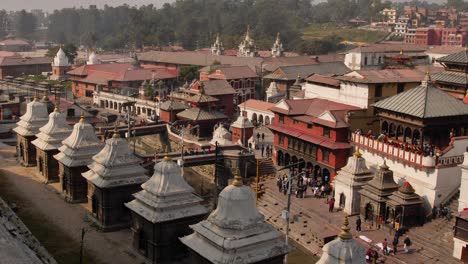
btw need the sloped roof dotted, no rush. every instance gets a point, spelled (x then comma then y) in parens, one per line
(291, 72)
(318, 78)
(214, 87)
(311, 107)
(424, 101)
(451, 77)
(257, 105)
(233, 72)
(387, 47)
(172, 105)
(457, 58)
(15, 61)
(198, 114)
(14, 42)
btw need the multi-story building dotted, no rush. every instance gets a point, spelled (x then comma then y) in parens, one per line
(428, 36)
(439, 36)
(401, 25)
(390, 15)
(410, 37)
(314, 131)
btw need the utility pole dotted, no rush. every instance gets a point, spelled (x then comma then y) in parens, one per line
(83, 232)
(215, 195)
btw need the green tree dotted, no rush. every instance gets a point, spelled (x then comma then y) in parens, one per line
(25, 24)
(188, 73)
(69, 49)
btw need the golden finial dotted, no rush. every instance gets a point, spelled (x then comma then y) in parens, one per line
(345, 234)
(166, 157)
(357, 154)
(401, 51)
(36, 96)
(116, 132)
(44, 96)
(56, 109)
(237, 179)
(82, 117)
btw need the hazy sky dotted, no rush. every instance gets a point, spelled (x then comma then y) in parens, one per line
(58, 4)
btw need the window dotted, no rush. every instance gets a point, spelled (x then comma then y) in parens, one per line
(313, 150)
(309, 125)
(281, 139)
(281, 119)
(325, 156)
(378, 90)
(326, 132)
(400, 88)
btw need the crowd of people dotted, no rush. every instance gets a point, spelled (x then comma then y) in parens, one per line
(319, 189)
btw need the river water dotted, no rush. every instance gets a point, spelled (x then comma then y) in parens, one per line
(203, 186)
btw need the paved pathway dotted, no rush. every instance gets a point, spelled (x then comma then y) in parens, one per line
(70, 218)
(312, 220)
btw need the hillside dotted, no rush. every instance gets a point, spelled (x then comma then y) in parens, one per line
(319, 31)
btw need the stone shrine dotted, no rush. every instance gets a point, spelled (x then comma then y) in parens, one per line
(162, 212)
(242, 130)
(247, 47)
(236, 232)
(114, 175)
(217, 48)
(277, 49)
(47, 143)
(222, 136)
(35, 117)
(344, 249)
(60, 66)
(375, 193)
(75, 155)
(349, 181)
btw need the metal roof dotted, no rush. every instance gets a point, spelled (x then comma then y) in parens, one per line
(198, 114)
(424, 101)
(457, 58)
(451, 77)
(291, 72)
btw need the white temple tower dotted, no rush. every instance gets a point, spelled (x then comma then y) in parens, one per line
(93, 59)
(60, 66)
(272, 90)
(236, 232)
(349, 181)
(277, 49)
(217, 48)
(247, 47)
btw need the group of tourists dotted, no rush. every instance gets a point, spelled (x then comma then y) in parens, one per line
(319, 189)
(266, 151)
(372, 255)
(441, 212)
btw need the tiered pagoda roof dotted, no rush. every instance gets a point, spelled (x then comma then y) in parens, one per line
(79, 148)
(236, 232)
(52, 133)
(115, 165)
(424, 101)
(199, 114)
(166, 196)
(404, 196)
(171, 105)
(355, 172)
(35, 117)
(381, 186)
(456, 58)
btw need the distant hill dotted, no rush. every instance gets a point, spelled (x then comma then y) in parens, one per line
(49, 5)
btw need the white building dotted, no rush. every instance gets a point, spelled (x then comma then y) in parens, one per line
(247, 47)
(401, 26)
(463, 199)
(217, 48)
(390, 15)
(257, 111)
(277, 49)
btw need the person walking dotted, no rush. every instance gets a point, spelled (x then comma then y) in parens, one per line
(395, 244)
(331, 205)
(263, 136)
(263, 149)
(385, 247)
(406, 244)
(358, 224)
(258, 136)
(279, 182)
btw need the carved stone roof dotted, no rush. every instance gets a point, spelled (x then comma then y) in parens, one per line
(115, 165)
(355, 172)
(222, 136)
(242, 122)
(235, 232)
(381, 186)
(166, 196)
(61, 59)
(405, 196)
(35, 117)
(51, 134)
(79, 148)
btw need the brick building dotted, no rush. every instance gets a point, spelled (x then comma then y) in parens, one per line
(15, 45)
(18, 66)
(314, 131)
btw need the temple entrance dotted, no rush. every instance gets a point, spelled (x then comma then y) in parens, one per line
(369, 212)
(267, 120)
(287, 159)
(317, 172)
(342, 200)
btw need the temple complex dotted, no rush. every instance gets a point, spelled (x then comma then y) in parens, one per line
(349, 181)
(344, 249)
(375, 193)
(35, 117)
(48, 142)
(162, 212)
(74, 156)
(113, 176)
(235, 232)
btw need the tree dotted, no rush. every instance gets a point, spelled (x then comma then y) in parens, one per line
(69, 49)
(25, 23)
(188, 73)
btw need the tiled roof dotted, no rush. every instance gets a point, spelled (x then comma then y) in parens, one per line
(317, 78)
(16, 61)
(215, 87)
(445, 49)
(312, 107)
(387, 76)
(198, 114)
(451, 77)
(424, 101)
(257, 105)
(14, 42)
(202, 98)
(233, 72)
(102, 73)
(291, 72)
(172, 105)
(458, 58)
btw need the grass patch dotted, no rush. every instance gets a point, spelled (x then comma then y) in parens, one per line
(61, 246)
(320, 31)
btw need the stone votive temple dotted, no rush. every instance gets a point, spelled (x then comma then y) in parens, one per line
(162, 212)
(35, 117)
(75, 155)
(47, 143)
(113, 176)
(236, 232)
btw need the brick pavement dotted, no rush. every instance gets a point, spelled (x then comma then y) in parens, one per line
(311, 221)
